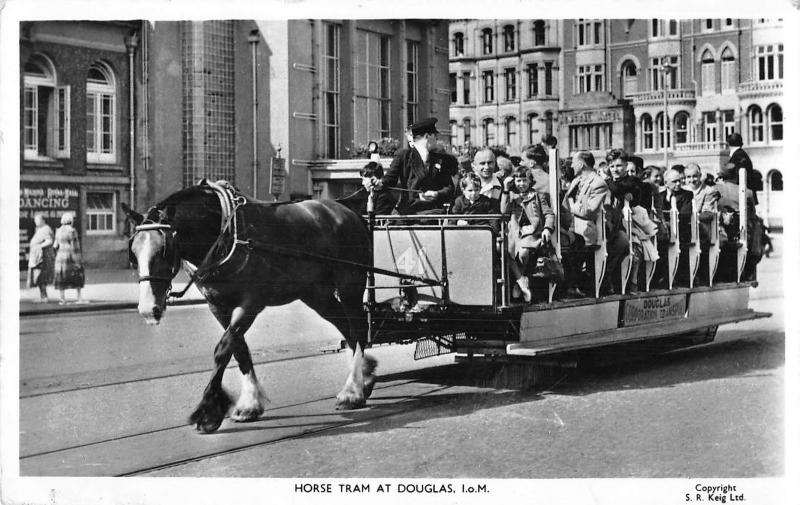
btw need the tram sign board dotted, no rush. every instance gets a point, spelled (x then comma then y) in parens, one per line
(654, 309)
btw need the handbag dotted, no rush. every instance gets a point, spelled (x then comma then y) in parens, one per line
(548, 266)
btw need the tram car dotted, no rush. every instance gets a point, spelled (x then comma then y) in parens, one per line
(448, 288)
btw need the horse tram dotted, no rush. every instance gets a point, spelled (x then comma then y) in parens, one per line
(387, 279)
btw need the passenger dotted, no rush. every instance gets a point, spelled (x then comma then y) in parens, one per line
(683, 201)
(705, 199)
(624, 187)
(729, 227)
(383, 200)
(603, 171)
(584, 197)
(485, 167)
(472, 201)
(740, 158)
(422, 173)
(532, 221)
(535, 158)
(504, 167)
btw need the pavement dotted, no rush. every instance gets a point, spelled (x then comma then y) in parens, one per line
(105, 289)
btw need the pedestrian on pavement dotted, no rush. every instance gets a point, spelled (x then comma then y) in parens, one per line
(69, 272)
(41, 257)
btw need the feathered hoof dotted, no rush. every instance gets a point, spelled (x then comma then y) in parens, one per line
(246, 414)
(350, 401)
(208, 416)
(368, 369)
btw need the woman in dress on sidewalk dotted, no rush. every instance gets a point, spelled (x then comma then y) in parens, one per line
(69, 267)
(41, 258)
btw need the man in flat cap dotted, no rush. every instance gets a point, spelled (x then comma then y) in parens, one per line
(423, 175)
(740, 159)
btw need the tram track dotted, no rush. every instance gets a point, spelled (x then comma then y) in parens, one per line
(300, 419)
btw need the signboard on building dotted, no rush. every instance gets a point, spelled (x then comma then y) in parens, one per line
(51, 200)
(277, 181)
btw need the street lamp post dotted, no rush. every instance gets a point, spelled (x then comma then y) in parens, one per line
(252, 39)
(666, 67)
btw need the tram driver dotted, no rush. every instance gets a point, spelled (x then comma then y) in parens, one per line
(422, 173)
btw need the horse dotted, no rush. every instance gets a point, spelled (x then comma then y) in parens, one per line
(245, 255)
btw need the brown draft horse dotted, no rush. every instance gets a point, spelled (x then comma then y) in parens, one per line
(313, 251)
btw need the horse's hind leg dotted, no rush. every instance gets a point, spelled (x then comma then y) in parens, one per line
(215, 403)
(344, 314)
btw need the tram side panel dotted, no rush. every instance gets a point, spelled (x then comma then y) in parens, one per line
(465, 271)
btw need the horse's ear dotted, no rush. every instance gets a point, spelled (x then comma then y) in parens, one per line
(131, 214)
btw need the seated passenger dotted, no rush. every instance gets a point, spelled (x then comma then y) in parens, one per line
(683, 200)
(705, 199)
(422, 173)
(472, 201)
(585, 197)
(485, 168)
(624, 187)
(728, 205)
(535, 158)
(531, 223)
(383, 200)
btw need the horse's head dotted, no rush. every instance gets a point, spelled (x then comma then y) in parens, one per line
(153, 250)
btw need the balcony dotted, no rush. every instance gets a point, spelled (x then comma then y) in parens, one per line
(674, 96)
(760, 88)
(718, 147)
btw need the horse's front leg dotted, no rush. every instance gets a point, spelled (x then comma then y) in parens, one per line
(215, 403)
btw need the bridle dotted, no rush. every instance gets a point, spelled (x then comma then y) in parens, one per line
(230, 202)
(170, 248)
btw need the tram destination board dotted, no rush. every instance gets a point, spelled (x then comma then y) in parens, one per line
(654, 309)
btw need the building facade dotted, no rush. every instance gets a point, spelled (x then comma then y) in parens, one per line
(133, 111)
(667, 90)
(75, 143)
(505, 82)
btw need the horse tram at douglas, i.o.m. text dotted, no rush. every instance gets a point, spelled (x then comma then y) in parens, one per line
(399, 279)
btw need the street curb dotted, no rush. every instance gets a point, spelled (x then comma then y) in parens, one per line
(96, 307)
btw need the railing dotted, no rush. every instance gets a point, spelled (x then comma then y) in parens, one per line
(760, 87)
(658, 96)
(717, 146)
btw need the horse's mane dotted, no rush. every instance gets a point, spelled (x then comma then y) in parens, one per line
(184, 194)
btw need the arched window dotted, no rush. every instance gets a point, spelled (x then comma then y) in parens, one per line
(458, 44)
(756, 119)
(533, 120)
(453, 133)
(538, 33)
(681, 128)
(775, 118)
(489, 134)
(467, 132)
(647, 132)
(548, 124)
(511, 131)
(630, 79)
(486, 40)
(509, 44)
(728, 71)
(708, 74)
(101, 114)
(664, 134)
(775, 180)
(45, 123)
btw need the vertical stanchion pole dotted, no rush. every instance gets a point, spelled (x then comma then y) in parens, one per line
(370, 272)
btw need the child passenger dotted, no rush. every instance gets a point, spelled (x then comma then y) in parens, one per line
(383, 199)
(531, 223)
(472, 201)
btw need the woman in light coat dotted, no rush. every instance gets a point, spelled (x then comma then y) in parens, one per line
(41, 257)
(69, 266)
